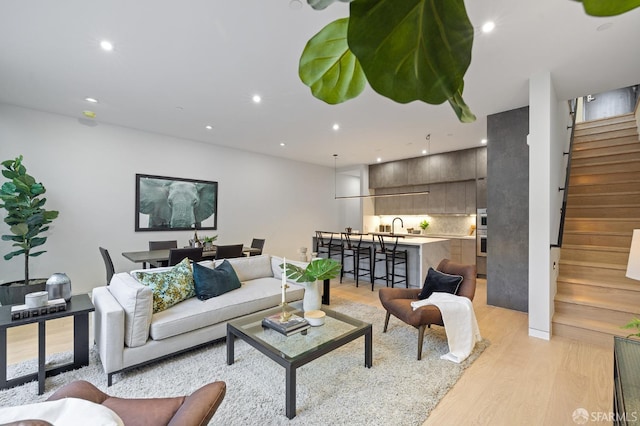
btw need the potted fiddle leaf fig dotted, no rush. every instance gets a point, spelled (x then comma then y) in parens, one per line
(28, 220)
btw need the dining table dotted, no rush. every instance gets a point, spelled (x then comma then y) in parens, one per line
(157, 257)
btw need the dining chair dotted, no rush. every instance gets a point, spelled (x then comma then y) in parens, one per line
(108, 263)
(229, 251)
(257, 244)
(161, 245)
(177, 254)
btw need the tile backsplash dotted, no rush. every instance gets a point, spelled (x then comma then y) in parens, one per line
(438, 225)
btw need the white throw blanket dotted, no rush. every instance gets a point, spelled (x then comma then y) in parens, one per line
(459, 322)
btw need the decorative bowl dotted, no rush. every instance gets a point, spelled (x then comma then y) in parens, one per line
(37, 299)
(315, 318)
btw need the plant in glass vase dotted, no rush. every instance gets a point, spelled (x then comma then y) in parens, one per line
(319, 269)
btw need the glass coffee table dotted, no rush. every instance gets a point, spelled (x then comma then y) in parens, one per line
(298, 349)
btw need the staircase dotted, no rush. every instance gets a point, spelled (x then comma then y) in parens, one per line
(594, 298)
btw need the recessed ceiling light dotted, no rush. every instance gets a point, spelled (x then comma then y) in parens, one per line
(424, 152)
(106, 45)
(483, 141)
(256, 99)
(487, 27)
(336, 126)
(282, 144)
(92, 100)
(208, 127)
(378, 159)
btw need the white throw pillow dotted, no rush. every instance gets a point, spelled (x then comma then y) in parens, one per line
(66, 411)
(137, 301)
(250, 268)
(277, 261)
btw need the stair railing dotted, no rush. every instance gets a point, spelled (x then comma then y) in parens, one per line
(573, 104)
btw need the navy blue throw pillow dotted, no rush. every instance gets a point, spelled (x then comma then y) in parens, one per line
(437, 281)
(214, 282)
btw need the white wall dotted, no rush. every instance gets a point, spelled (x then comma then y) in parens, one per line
(547, 139)
(89, 173)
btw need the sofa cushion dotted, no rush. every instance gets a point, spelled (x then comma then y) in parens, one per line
(169, 287)
(250, 268)
(137, 302)
(437, 281)
(192, 314)
(277, 270)
(214, 282)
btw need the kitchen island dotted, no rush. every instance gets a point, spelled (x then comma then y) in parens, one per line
(423, 252)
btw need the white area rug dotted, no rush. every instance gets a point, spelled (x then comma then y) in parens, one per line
(335, 389)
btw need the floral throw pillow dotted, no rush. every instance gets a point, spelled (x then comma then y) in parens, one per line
(169, 287)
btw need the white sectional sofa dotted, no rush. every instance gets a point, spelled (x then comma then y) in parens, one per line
(128, 334)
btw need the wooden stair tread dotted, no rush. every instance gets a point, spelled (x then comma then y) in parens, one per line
(611, 305)
(616, 266)
(614, 283)
(603, 233)
(602, 193)
(607, 120)
(594, 247)
(612, 206)
(591, 324)
(604, 219)
(606, 163)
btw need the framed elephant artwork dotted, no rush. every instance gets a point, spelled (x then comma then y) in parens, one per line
(172, 204)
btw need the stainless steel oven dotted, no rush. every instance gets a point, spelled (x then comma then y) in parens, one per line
(481, 219)
(481, 242)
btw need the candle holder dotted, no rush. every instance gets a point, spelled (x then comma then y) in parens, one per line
(285, 315)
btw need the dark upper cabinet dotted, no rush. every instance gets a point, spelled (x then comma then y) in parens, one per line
(481, 162)
(418, 170)
(388, 175)
(455, 197)
(446, 167)
(481, 193)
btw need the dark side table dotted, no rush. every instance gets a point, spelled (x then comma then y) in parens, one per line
(78, 307)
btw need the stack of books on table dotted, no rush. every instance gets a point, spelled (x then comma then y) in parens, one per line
(294, 324)
(52, 306)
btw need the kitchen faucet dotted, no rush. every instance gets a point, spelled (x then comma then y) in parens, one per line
(393, 224)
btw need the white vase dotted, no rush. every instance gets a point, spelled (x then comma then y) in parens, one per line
(312, 300)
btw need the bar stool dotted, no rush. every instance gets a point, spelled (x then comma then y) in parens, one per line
(392, 257)
(358, 253)
(327, 244)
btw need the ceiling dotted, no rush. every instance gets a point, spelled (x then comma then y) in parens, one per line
(180, 66)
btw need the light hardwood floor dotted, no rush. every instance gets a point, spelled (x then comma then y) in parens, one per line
(518, 380)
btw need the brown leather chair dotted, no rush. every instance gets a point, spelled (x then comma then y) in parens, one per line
(397, 301)
(195, 409)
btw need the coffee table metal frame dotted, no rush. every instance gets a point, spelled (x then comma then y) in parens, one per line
(242, 328)
(78, 307)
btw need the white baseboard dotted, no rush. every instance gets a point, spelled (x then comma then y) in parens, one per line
(545, 335)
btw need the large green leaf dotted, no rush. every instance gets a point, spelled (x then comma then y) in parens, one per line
(317, 269)
(608, 7)
(412, 49)
(329, 68)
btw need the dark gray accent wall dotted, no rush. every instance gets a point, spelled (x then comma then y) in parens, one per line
(508, 209)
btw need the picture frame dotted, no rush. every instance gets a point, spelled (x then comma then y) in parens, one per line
(175, 204)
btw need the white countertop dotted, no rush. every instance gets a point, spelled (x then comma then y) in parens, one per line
(428, 236)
